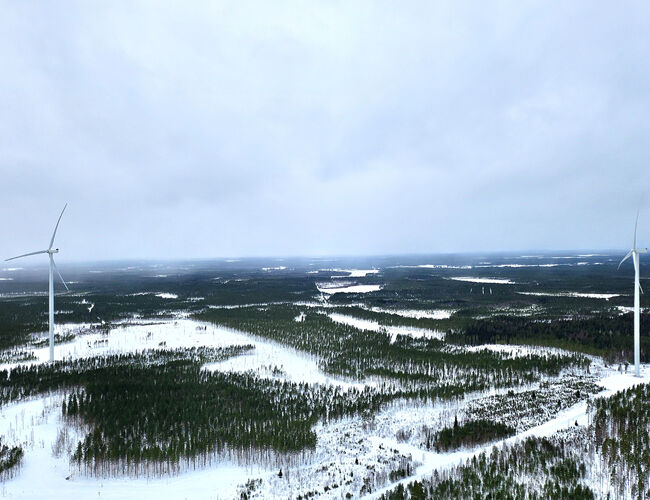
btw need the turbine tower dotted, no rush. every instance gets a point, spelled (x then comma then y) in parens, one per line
(50, 252)
(634, 253)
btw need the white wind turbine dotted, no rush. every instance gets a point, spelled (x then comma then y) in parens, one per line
(634, 253)
(50, 251)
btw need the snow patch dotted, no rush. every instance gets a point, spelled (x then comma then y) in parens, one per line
(329, 290)
(300, 318)
(414, 313)
(501, 281)
(436, 266)
(524, 265)
(393, 331)
(353, 273)
(605, 296)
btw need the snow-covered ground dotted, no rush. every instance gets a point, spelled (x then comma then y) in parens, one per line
(626, 309)
(414, 313)
(300, 318)
(523, 265)
(352, 273)
(436, 266)
(605, 296)
(329, 290)
(393, 331)
(500, 281)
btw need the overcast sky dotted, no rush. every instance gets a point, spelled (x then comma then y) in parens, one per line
(189, 129)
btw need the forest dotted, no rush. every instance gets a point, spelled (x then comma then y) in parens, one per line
(468, 434)
(621, 426)
(11, 458)
(603, 335)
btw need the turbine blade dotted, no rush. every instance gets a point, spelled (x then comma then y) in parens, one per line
(641, 288)
(57, 272)
(629, 254)
(26, 255)
(56, 227)
(636, 223)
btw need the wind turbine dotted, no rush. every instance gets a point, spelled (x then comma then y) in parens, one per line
(634, 253)
(50, 251)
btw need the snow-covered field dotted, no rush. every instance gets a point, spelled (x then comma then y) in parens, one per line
(329, 290)
(352, 273)
(393, 331)
(142, 335)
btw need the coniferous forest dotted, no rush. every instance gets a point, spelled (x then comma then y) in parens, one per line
(10, 460)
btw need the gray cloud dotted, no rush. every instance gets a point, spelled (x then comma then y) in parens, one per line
(258, 128)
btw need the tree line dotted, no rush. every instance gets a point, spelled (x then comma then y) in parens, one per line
(603, 335)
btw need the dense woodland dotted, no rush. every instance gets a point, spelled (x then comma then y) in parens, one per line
(11, 458)
(24, 381)
(622, 437)
(19, 318)
(468, 434)
(604, 335)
